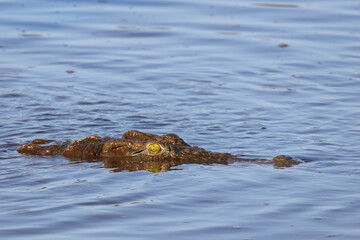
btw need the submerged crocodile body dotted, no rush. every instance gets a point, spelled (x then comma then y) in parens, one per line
(141, 151)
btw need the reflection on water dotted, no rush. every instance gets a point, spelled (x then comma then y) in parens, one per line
(249, 78)
(276, 5)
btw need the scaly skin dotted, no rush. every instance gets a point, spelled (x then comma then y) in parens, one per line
(141, 151)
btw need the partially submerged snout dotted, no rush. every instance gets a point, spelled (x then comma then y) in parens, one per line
(138, 151)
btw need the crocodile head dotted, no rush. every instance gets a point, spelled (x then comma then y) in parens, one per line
(140, 151)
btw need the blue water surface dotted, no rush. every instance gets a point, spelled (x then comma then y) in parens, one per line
(246, 77)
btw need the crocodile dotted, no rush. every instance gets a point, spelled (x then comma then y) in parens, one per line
(141, 151)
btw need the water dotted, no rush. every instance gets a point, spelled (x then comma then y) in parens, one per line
(210, 71)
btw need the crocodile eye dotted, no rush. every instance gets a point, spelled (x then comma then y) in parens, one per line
(154, 148)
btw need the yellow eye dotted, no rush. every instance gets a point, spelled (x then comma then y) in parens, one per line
(154, 148)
